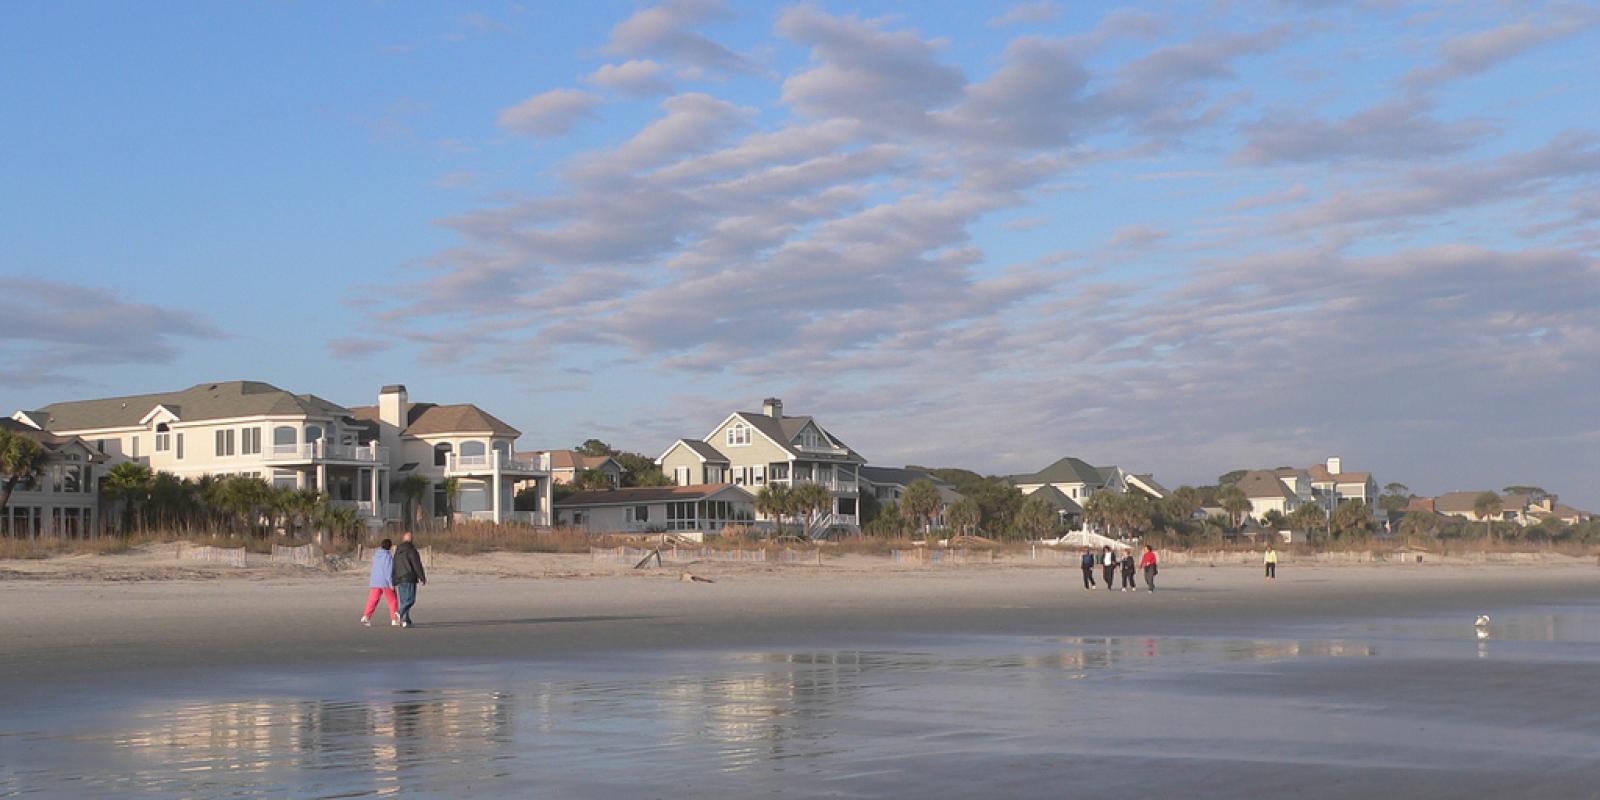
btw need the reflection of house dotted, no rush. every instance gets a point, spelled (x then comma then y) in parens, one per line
(1267, 492)
(888, 484)
(235, 428)
(566, 464)
(703, 507)
(753, 449)
(461, 442)
(64, 498)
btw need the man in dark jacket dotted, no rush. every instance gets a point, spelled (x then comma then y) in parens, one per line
(407, 574)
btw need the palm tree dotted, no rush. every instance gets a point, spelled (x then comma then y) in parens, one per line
(1234, 502)
(21, 460)
(339, 520)
(1037, 517)
(130, 483)
(452, 493)
(812, 501)
(775, 500)
(1099, 511)
(1487, 505)
(921, 501)
(963, 515)
(412, 489)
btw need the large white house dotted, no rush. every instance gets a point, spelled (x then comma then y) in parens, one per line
(64, 497)
(302, 441)
(751, 449)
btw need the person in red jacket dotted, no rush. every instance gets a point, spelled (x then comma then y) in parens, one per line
(1148, 563)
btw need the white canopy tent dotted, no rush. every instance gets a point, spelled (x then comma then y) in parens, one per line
(1087, 539)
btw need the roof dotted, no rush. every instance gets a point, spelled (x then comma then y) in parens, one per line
(202, 401)
(50, 442)
(894, 476)
(574, 460)
(703, 450)
(1149, 479)
(1320, 474)
(423, 419)
(647, 494)
(783, 430)
(1057, 499)
(1456, 502)
(1260, 483)
(1066, 470)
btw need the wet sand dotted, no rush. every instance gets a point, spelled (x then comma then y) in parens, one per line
(1330, 682)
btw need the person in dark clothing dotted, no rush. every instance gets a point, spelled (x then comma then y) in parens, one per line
(408, 575)
(1148, 563)
(1127, 572)
(1108, 568)
(1088, 568)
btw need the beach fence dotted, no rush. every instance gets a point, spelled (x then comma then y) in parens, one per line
(922, 555)
(306, 555)
(636, 555)
(230, 556)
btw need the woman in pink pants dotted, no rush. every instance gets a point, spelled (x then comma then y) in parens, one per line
(380, 584)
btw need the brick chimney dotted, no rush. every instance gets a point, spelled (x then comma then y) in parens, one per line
(772, 407)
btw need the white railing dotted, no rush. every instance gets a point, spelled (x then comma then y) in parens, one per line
(833, 485)
(325, 451)
(454, 462)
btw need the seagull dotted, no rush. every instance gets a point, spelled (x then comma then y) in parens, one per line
(1483, 621)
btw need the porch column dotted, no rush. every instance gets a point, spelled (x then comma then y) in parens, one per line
(494, 486)
(377, 502)
(322, 477)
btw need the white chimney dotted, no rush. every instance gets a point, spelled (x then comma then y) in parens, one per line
(772, 407)
(1334, 465)
(392, 405)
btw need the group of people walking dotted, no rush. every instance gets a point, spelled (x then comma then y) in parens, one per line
(394, 578)
(1111, 564)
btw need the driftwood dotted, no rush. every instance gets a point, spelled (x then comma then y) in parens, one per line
(655, 554)
(689, 577)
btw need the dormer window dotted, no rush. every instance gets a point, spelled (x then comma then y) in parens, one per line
(739, 435)
(809, 438)
(163, 438)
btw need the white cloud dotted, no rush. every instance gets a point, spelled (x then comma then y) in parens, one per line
(1027, 14)
(665, 31)
(640, 77)
(552, 113)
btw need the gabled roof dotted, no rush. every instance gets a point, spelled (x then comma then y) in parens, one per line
(1057, 499)
(427, 419)
(1320, 474)
(199, 402)
(576, 461)
(1066, 470)
(1456, 502)
(649, 494)
(894, 476)
(700, 448)
(50, 442)
(781, 431)
(1258, 484)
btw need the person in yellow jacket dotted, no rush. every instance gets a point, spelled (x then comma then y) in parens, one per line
(1271, 560)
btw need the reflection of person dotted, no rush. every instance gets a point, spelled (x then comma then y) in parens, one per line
(1127, 572)
(408, 575)
(1088, 568)
(1108, 564)
(380, 583)
(1147, 562)
(1271, 560)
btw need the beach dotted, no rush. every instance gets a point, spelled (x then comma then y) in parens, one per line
(937, 661)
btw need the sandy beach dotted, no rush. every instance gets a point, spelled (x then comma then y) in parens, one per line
(568, 678)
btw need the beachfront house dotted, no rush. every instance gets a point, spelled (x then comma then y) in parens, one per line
(689, 510)
(64, 497)
(565, 466)
(1331, 485)
(888, 484)
(752, 449)
(1074, 477)
(459, 441)
(299, 441)
(1266, 492)
(1522, 509)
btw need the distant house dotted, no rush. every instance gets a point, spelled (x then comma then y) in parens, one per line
(566, 464)
(64, 498)
(1074, 477)
(888, 484)
(1521, 509)
(703, 508)
(1332, 486)
(1068, 510)
(1267, 492)
(1145, 482)
(752, 449)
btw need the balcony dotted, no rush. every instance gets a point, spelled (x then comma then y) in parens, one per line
(496, 461)
(835, 485)
(324, 451)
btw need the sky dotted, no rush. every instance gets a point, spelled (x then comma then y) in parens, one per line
(1179, 238)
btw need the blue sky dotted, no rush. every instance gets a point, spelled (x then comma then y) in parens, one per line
(1182, 239)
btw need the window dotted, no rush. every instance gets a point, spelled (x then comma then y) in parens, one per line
(739, 435)
(681, 516)
(71, 478)
(441, 454)
(473, 453)
(639, 514)
(225, 442)
(847, 506)
(250, 441)
(313, 433)
(680, 476)
(283, 439)
(283, 479)
(163, 442)
(179, 454)
(133, 447)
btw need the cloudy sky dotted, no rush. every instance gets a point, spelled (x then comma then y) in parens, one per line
(1179, 238)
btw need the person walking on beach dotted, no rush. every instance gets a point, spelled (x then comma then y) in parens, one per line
(1087, 562)
(1271, 560)
(380, 583)
(408, 575)
(1127, 572)
(1147, 562)
(1108, 564)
